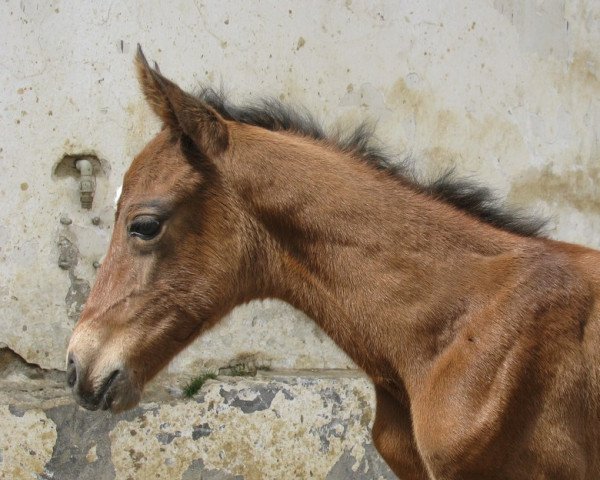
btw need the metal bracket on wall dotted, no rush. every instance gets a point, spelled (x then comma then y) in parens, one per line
(85, 168)
(87, 182)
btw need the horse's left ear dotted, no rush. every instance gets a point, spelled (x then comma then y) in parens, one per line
(181, 111)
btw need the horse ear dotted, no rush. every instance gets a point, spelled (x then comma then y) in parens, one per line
(181, 111)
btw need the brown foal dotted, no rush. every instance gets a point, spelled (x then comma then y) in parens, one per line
(482, 339)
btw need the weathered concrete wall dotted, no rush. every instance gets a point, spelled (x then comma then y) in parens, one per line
(506, 90)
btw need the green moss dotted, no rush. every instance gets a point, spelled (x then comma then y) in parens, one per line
(240, 371)
(196, 384)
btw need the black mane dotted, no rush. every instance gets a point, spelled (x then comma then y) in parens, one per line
(466, 195)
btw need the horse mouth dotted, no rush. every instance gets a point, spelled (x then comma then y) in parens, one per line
(104, 396)
(118, 393)
(107, 391)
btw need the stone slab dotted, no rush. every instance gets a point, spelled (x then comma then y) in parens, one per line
(272, 426)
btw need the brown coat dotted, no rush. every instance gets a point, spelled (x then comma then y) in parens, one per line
(482, 340)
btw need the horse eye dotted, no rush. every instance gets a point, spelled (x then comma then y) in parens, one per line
(144, 227)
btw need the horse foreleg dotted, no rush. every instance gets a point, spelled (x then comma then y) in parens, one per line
(393, 437)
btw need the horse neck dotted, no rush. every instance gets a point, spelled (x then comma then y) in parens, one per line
(382, 269)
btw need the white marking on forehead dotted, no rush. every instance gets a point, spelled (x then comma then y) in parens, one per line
(118, 194)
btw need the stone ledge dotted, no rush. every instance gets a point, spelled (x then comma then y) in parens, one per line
(277, 425)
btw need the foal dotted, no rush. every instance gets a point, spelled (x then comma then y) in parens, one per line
(482, 339)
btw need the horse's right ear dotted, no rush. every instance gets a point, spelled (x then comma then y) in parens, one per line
(181, 111)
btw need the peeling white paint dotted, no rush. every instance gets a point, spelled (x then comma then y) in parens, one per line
(118, 194)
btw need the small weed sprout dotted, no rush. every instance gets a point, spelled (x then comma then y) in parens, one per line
(196, 384)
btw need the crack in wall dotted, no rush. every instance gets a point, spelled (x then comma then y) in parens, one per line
(12, 363)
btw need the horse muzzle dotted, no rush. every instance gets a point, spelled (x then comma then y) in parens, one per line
(113, 390)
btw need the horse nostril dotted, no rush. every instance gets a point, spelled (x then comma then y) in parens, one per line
(71, 371)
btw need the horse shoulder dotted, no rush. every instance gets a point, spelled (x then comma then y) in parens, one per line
(508, 393)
